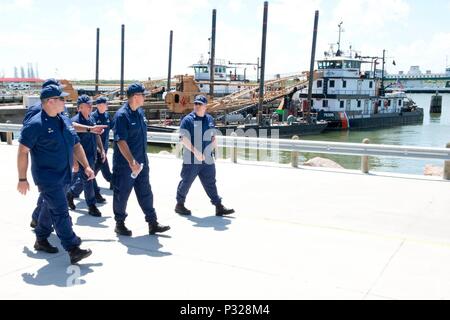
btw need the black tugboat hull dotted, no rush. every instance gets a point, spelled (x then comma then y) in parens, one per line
(377, 121)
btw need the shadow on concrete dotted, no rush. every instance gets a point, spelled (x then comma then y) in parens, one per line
(218, 223)
(144, 245)
(86, 220)
(58, 272)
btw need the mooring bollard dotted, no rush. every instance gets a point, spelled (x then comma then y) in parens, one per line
(294, 154)
(365, 160)
(9, 137)
(447, 167)
(234, 149)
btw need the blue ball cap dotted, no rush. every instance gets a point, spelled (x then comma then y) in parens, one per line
(51, 91)
(201, 100)
(101, 100)
(51, 81)
(84, 99)
(136, 88)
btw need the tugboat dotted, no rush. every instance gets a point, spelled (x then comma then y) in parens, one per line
(347, 98)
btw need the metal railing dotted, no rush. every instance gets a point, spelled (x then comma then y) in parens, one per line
(295, 146)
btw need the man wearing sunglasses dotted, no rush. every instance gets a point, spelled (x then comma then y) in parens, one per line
(33, 110)
(197, 134)
(52, 142)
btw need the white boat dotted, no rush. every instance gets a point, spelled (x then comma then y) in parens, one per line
(348, 98)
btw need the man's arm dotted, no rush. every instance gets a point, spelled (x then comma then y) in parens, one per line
(100, 147)
(22, 167)
(80, 156)
(97, 129)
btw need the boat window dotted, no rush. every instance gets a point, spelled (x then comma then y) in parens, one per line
(347, 64)
(359, 103)
(325, 103)
(344, 84)
(321, 65)
(389, 103)
(399, 102)
(341, 104)
(332, 82)
(371, 84)
(338, 65)
(319, 83)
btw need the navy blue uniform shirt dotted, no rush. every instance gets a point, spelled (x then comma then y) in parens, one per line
(103, 119)
(51, 141)
(87, 139)
(130, 126)
(200, 130)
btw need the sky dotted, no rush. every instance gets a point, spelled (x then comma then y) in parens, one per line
(60, 36)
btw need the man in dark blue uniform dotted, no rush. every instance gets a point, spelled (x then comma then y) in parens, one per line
(91, 143)
(197, 134)
(33, 110)
(101, 117)
(52, 142)
(130, 158)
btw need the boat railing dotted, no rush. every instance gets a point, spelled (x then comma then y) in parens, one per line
(295, 146)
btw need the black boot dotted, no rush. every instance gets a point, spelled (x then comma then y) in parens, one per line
(77, 254)
(99, 198)
(70, 203)
(157, 228)
(44, 245)
(33, 223)
(222, 211)
(122, 230)
(181, 209)
(93, 211)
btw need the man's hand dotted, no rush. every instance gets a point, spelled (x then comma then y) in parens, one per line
(103, 156)
(200, 156)
(98, 129)
(89, 173)
(23, 187)
(135, 167)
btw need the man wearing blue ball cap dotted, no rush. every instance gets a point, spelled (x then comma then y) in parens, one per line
(101, 117)
(197, 134)
(53, 143)
(33, 110)
(130, 158)
(91, 144)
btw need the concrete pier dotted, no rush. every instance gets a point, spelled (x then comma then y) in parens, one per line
(298, 233)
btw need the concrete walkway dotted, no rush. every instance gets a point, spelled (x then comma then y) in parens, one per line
(297, 234)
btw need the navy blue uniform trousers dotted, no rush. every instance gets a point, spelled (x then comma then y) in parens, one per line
(207, 175)
(55, 214)
(123, 184)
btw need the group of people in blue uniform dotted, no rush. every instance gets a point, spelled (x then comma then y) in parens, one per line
(66, 154)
